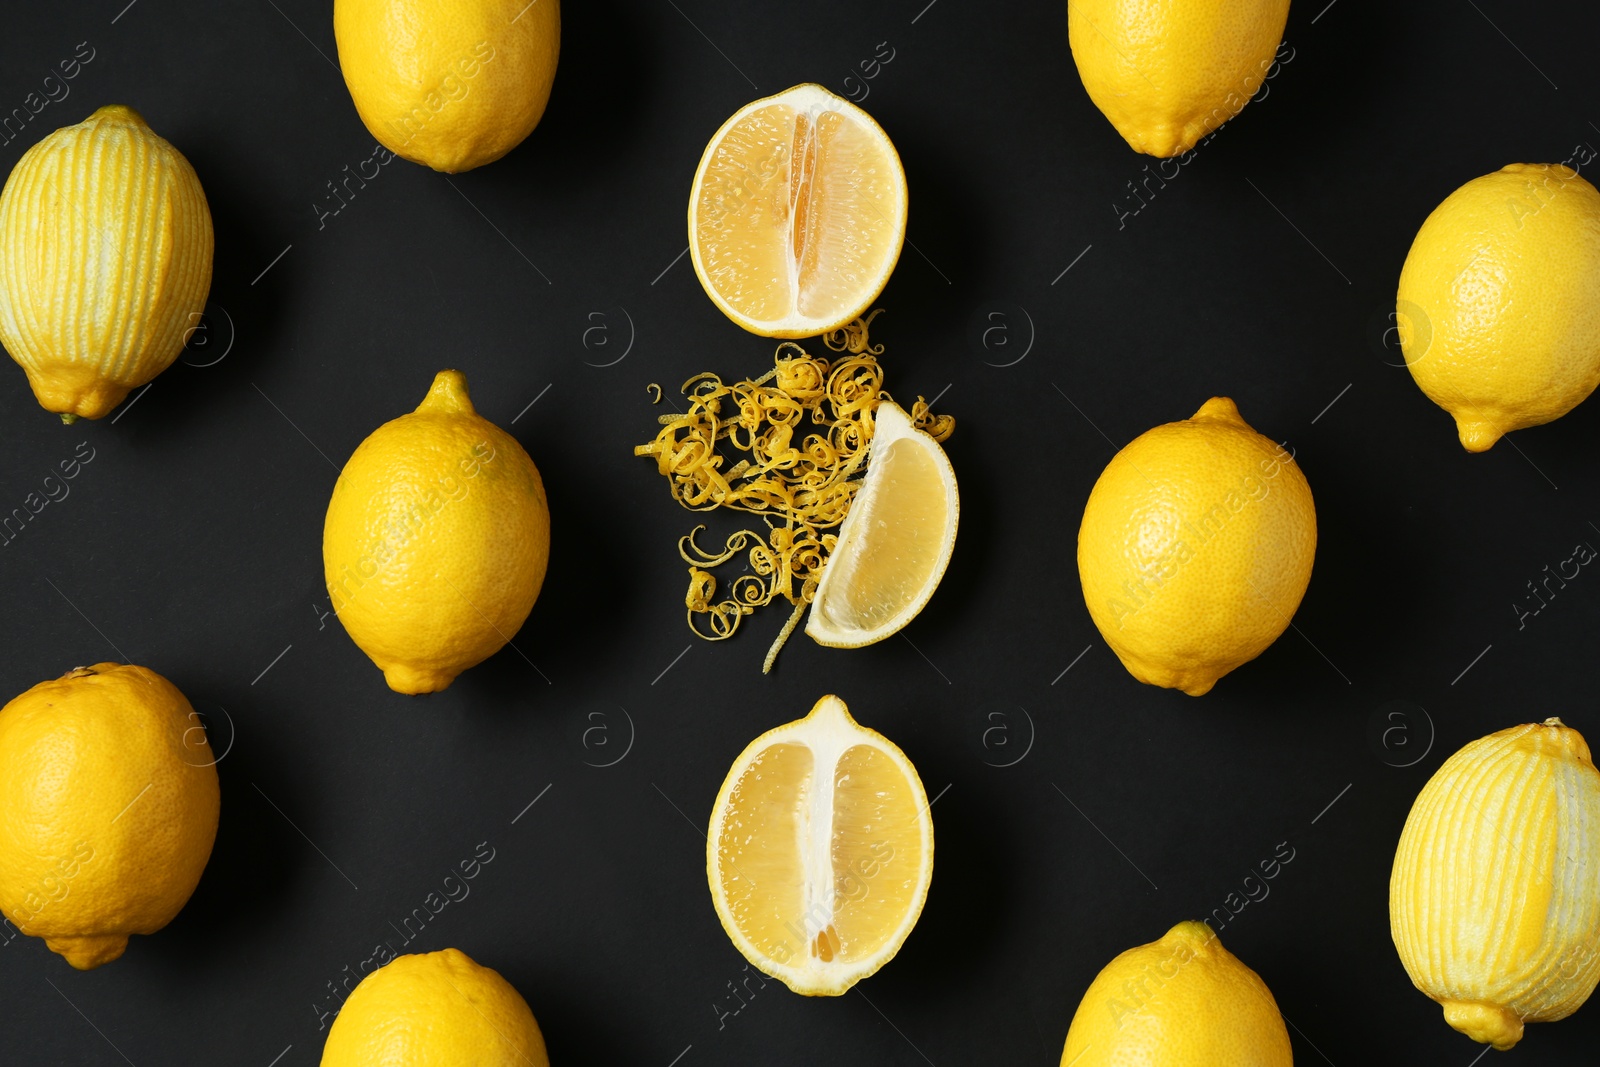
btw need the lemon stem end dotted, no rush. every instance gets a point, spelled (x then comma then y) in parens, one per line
(448, 393)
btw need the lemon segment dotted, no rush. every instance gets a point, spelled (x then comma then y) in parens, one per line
(1491, 901)
(894, 543)
(820, 851)
(797, 213)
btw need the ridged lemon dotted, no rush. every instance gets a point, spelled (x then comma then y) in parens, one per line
(1494, 901)
(1196, 547)
(1183, 1001)
(1168, 74)
(439, 1009)
(820, 851)
(450, 84)
(436, 540)
(108, 809)
(1499, 301)
(105, 261)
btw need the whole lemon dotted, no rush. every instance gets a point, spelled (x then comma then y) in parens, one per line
(1183, 1001)
(1168, 74)
(1493, 902)
(1195, 548)
(1499, 301)
(108, 809)
(105, 261)
(436, 540)
(452, 84)
(439, 1009)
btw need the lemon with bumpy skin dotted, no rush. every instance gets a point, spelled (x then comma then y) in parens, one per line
(1196, 547)
(439, 1009)
(1492, 902)
(451, 84)
(1499, 301)
(108, 809)
(436, 540)
(1183, 1001)
(105, 261)
(1168, 74)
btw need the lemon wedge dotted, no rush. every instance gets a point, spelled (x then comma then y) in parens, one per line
(820, 851)
(797, 213)
(894, 543)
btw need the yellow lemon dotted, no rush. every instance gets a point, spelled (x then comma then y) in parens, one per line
(108, 809)
(1493, 901)
(1183, 1001)
(452, 84)
(439, 1009)
(1168, 74)
(895, 541)
(797, 213)
(436, 540)
(1195, 548)
(105, 261)
(1499, 301)
(820, 851)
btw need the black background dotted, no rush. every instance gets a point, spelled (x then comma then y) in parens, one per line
(191, 542)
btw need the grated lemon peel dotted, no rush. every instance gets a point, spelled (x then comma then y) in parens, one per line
(801, 488)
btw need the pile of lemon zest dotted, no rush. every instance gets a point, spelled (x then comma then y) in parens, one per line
(800, 482)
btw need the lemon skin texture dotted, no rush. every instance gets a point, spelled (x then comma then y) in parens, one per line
(108, 809)
(1492, 901)
(1168, 74)
(105, 261)
(440, 1009)
(436, 540)
(1196, 548)
(1182, 1001)
(1499, 301)
(450, 84)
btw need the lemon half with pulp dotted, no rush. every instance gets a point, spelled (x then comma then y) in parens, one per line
(797, 213)
(820, 851)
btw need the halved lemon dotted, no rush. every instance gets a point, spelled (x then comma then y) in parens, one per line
(820, 851)
(894, 543)
(797, 214)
